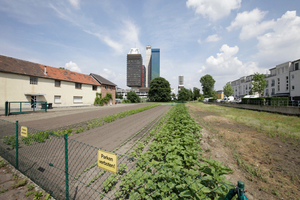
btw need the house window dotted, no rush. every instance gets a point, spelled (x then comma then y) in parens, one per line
(278, 87)
(33, 80)
(267, 92)
(278, 81)
(78, 85)
(77, 99)
(293, 87)
(282, 70)
(94, 87)
(106, 87)
(273, 83)
(57, 83)
(292, 76)
(273, 91)
(57, 99)
(296, 66)
(110, 88)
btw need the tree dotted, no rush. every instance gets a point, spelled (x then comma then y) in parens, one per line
(258, 84)
(208, 84)
(133, 97)
(227, 89)
(184, 95)
(196, 93)
(160, 90)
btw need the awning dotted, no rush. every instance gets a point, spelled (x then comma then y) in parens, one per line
(34, 94)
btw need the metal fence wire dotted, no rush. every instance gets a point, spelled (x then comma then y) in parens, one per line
(67, 169)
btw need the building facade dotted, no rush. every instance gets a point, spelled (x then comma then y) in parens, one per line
(134, 68)
(26, 81)
(141, 92)
(180, 82)
(283, 80)
(148, 65)
(106, 87)
(155, 63)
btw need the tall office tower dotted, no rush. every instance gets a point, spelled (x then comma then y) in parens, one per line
(180, 83)
(148, 65)
(155, 63)
(143, 76)
(134, 68)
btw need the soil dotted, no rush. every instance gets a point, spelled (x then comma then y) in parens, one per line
(269, 166)
(111, 135)
(63, 118)
(44, 162)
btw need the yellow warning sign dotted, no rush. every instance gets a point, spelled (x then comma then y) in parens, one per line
(24, 131)
(107, 161)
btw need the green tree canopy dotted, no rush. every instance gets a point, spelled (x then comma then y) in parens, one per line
(227, 89)
(133, 97)
(160, 90)
(258, 84)
(196, 93)
(208, 84)
(184, 94)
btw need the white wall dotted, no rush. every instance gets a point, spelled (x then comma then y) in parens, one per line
(13, 88)
(295, 82)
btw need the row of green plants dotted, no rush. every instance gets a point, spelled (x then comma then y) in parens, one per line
(42, 136)
(112, 180)
(172, 168)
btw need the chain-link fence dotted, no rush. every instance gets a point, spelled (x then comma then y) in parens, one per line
(68, 169)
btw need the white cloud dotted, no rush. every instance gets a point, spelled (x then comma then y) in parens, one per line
(214, 9)
(227, 64)
(75, 3)
(283, 43)
(72, 67)
(129, 36)
(199, 41)
(246, 18)
(213, 38)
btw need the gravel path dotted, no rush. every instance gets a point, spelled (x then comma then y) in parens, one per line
(54, 120)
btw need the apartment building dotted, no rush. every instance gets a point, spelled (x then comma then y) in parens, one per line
(241, 86)
(283, 80)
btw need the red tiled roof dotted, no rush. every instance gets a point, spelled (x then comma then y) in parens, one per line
(16, 66)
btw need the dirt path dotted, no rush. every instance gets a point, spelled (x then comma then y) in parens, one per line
(268, 166)
(111, 135)
(48, 121)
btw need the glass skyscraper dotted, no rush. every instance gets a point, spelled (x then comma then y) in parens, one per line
(155, 63)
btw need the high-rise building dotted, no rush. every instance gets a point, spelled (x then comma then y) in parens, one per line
(180, 82)
(148, 65)
(143, 76)
(155, 63)
(152, 64)
(134, 68)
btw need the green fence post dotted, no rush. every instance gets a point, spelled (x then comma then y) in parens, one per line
(66, 166)
(45, 106)
(17, 145)
(20, 106)
(6, 108)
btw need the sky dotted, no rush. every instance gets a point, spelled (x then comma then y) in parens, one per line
(226, 39)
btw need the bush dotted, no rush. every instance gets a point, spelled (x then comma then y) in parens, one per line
(101, 101)
(212, 100)
(271, 101)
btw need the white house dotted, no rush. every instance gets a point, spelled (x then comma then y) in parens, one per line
(26, 81)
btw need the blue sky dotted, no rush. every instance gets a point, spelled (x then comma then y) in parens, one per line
(224, 38)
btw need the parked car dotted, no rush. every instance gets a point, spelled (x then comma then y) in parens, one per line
(228, 99)
(218, 100)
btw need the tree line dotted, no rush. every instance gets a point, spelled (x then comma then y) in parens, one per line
(160, 90)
